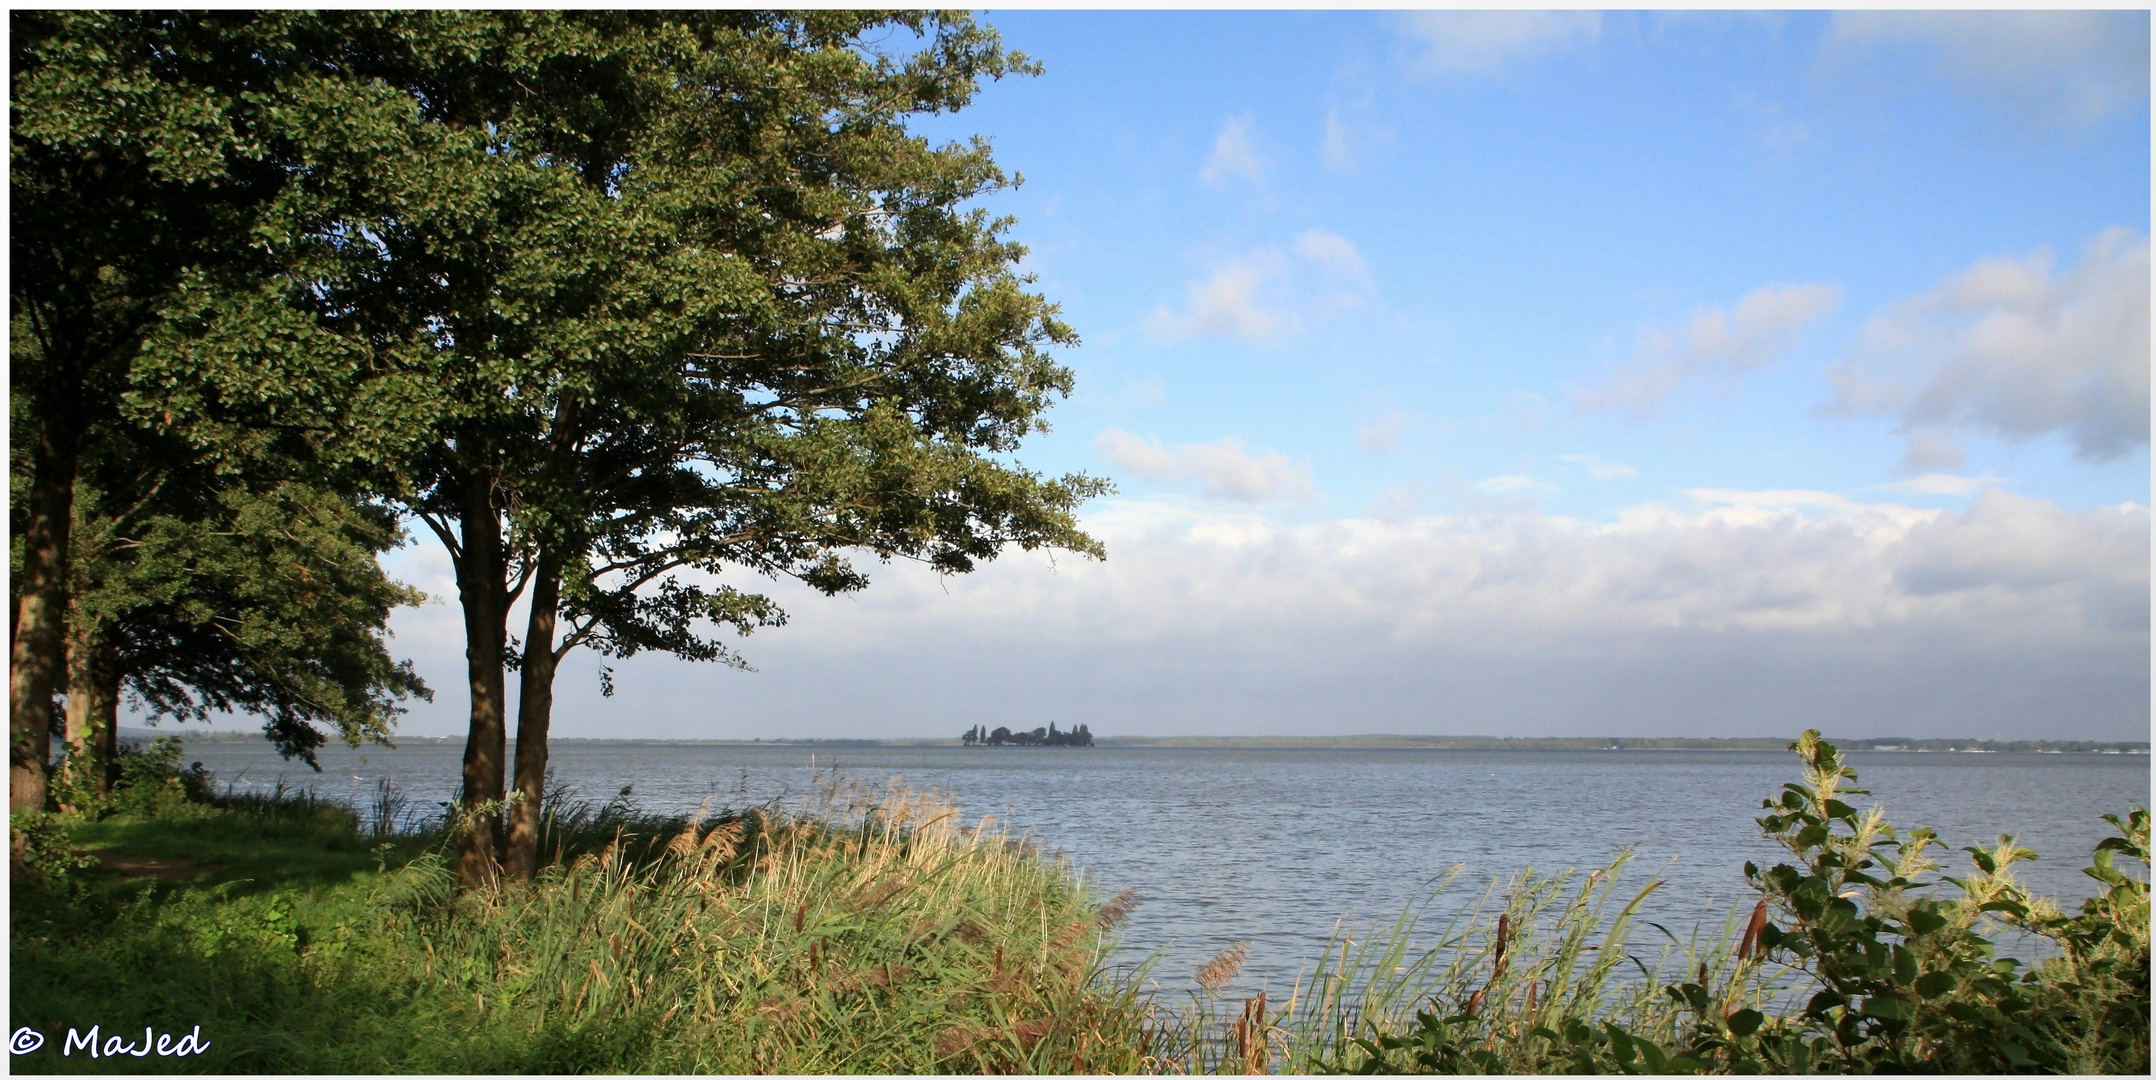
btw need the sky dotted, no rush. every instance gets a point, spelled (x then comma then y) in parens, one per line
(1530, 374)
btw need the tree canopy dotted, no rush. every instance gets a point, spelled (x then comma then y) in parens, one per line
(155, 159)
(627, 308)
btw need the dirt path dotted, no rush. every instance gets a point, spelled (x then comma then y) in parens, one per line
(139, 866)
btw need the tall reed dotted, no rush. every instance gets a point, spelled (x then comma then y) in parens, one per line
(1533, 952)
(866, 932)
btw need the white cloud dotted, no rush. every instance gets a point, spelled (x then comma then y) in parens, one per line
(1332, 252)
(2012, 349)
(1753, 613)
(2043, 67)
(1715, 344)
(1269, 295)
(1947, 484)
(1241, 298)
(1600, 469)
(1333, 148)
(1382, 435)
(1514, 484)
(1223, 469)
(1775, 500)
(1235, 155)
(1484, 42)
(1352, 131)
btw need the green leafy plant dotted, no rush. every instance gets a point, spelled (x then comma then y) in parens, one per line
(1902, 966)
(1858, 957)
(42, 854)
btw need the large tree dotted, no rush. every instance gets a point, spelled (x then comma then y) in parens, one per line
(198, 593)
(817, 349)
(156, 161)
(691, 301)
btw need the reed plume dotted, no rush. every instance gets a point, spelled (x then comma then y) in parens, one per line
(1215, 975)
(1117, 909)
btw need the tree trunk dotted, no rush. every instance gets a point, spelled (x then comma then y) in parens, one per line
(38, 654)
(93, 708)
(535, 712)
(483, 589)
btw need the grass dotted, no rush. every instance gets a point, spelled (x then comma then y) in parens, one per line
(858, 935)
(1534, 951)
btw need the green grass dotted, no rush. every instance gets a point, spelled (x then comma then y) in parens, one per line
(872, 935)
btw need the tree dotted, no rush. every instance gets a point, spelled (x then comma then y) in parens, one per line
(154, 161)
(226, 599)
(694, 303)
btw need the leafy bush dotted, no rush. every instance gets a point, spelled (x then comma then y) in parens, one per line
(1908, 979)
(1858, 957)
(41, 853)
(151, 781)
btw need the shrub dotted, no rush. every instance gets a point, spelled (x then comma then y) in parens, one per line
(39, 848)
(1858, 957)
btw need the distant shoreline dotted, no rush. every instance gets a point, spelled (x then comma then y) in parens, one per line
(1297, 742)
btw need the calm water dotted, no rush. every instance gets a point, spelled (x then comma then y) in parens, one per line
(1276, 845)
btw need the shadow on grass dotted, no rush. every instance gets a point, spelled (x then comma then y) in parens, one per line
(305, 847)
(265, 995)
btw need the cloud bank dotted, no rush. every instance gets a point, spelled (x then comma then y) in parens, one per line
(1742, 613)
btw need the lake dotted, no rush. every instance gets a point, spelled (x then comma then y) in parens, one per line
(1276, 845)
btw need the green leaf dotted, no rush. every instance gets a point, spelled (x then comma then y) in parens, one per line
(1745, 1021)
(1925, 919)
(1885, 1008)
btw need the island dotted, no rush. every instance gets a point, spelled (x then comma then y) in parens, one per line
(979, 735)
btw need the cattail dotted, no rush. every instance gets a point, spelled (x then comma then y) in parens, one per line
(1249, 1035)
(1504, 930)
(1752, 931)
(1215, 974)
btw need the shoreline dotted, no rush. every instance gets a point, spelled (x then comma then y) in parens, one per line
(1301, 742)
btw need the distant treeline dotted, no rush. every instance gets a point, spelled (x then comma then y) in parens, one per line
(1488, 742)
(979, 735)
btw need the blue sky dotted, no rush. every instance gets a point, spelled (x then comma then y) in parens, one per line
(1526, 373)
(1508, 220)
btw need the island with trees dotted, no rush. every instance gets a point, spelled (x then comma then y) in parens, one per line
(980, 735)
